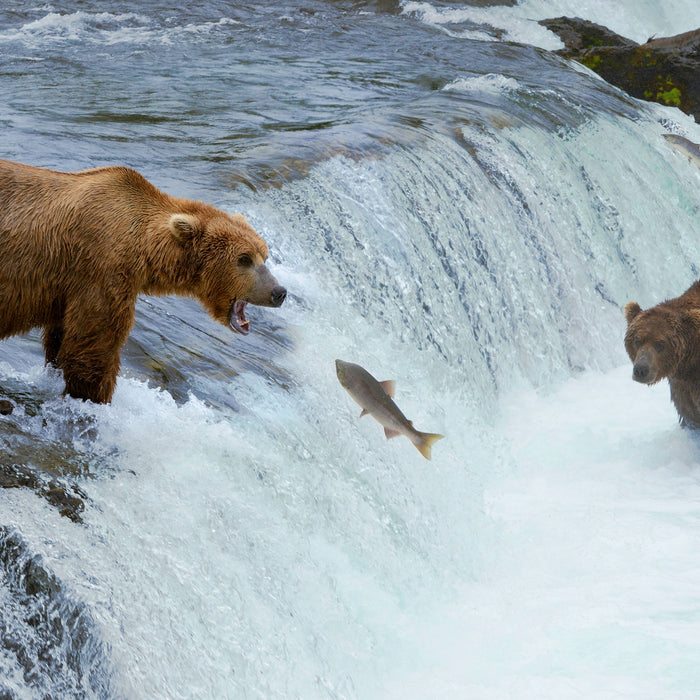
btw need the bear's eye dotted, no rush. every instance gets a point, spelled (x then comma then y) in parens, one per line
(245, 260)
(659, 346)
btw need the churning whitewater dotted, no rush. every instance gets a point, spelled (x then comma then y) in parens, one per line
(450, 206)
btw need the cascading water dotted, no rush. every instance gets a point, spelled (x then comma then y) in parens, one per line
(467, 218)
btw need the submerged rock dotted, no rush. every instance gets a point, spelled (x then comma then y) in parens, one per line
(67, 498)
(665, 70)
(50, 646)
(6, 407)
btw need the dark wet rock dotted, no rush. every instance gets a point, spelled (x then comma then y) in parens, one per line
(664, 70)
(52, 454)
(579, 34)
(47, 639)
(67, 498)
(17, 395)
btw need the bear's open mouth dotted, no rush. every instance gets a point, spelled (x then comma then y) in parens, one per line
(237, 319)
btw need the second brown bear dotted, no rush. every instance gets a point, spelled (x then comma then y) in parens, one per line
(663, 342)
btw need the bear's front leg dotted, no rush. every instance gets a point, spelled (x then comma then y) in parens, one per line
(52, 339)
(90, 349)
(95, 383)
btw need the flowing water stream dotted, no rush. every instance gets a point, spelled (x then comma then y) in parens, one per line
(451, 209)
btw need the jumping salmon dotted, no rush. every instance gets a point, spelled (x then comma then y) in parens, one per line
(375, 398)
(689, 149)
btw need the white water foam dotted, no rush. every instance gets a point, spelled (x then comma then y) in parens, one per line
(517, 23)
(289, 550)
(107, 29)
(592, 589)
(633, 19)
(492, 82)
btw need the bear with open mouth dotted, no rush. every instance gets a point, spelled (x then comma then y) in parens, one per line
(76, 249)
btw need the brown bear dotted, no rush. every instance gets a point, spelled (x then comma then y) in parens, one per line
(77, 248)
(663, 342)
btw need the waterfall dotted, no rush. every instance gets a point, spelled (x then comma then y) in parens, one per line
(230, 527)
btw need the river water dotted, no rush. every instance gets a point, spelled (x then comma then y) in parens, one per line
(451, 206)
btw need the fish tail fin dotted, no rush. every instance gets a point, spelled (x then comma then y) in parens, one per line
(426, 441)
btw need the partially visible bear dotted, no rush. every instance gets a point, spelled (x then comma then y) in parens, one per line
(77, 248)
(663, 342)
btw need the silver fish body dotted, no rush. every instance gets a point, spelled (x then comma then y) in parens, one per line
(375, 399)
(685, 146)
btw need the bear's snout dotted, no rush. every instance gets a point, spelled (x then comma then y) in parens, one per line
(266, 291)
(278, 295)
(643, 370)
(640, 373)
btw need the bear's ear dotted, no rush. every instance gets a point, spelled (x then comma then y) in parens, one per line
(631, 310)
(183, 227)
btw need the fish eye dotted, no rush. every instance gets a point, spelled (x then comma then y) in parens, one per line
(245, 260)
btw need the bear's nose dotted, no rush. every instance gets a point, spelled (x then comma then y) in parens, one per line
(640, 372)
(278, 295)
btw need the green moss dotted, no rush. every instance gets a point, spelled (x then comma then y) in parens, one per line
(668, 93)
(592, 62)
(670, 97)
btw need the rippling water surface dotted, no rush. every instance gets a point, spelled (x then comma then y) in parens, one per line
(451, 205)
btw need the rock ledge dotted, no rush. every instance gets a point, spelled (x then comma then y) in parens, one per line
(664, 70)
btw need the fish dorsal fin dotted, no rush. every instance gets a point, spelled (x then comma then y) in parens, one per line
(389, 386)
(391, 433)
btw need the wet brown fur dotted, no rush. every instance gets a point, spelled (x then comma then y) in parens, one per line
(663, 342)
(77, 248)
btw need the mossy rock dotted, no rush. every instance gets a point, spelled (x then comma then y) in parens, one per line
(665, 70)
(579, 34)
